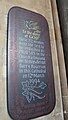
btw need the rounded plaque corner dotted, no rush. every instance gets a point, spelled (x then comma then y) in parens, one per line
(53, 107)
(11, 9)
(44, 19)
(9, 113)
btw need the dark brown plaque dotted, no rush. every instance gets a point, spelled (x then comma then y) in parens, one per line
(30, 72)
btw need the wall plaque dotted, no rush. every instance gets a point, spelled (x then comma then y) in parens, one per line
(30, 85)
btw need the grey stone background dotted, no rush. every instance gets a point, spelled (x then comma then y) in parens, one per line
(62, 6)
(63, 15)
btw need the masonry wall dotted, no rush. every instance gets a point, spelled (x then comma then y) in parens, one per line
(44, 7)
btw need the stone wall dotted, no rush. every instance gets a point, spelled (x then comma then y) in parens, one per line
(44, 7)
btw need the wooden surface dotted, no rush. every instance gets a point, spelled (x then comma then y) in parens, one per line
(44, 8)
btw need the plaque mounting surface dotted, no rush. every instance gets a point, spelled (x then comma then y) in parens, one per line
(30, 85)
